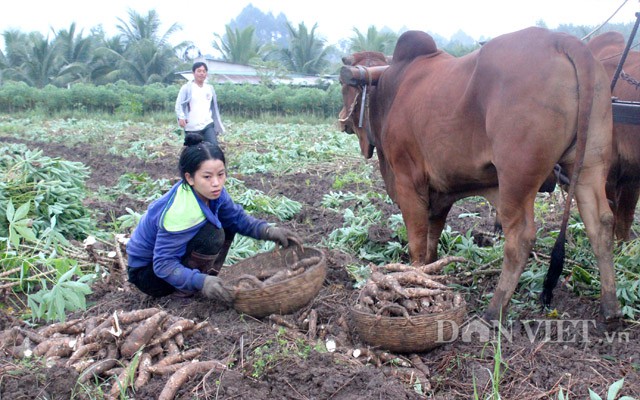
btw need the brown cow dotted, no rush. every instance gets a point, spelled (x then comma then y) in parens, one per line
(491, 123)
(623, 183)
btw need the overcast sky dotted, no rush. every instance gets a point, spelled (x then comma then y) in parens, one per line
(335, 18)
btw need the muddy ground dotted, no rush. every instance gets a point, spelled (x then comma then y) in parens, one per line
(271, 359)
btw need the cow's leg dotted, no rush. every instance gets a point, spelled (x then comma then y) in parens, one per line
(492, 196)
(598, 221)
(624, 210)
(415, 214)
(437, 221)
(516, 213)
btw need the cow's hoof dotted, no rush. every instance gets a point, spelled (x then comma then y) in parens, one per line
(545, 298)
(490, 316)
(612, 323)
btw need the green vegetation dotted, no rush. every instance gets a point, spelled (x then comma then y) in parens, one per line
(272, 352)
(255, 201)
(50, 194)
(500, 366)
(126, 100)
(35, 236)
(65, 296)
(612, 393)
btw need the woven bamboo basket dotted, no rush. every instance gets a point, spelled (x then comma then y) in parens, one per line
(284, 297)
(414, 334)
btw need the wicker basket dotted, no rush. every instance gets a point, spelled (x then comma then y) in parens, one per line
(283, 297)
(414, 334)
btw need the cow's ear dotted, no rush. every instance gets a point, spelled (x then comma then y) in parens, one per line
(348, 60)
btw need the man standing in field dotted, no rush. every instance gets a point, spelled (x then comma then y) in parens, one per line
(197, 106)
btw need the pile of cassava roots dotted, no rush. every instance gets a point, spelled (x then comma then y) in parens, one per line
(399, 290)
(125, 348)
(268, 278)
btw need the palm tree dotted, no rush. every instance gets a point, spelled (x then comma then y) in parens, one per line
(238, 46)
(147, 57)
(107, 55)
(75, 52)
(16, 47)
(144, 62)
(33, 60)
(74, 47)
(3, 66)
(383, 42)
(306, 54)
(145, 27)
(141, 63)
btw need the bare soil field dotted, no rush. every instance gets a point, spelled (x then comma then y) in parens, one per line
(278, 358)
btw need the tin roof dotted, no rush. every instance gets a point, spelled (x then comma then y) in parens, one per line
(226, 72)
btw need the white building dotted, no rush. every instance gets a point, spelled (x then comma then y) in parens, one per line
(226, 72)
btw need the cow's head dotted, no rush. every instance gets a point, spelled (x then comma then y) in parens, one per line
(360, 72)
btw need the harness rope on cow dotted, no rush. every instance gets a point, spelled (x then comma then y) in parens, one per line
(629, 79)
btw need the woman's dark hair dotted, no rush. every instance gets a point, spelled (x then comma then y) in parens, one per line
(199, 64)
(195, 152)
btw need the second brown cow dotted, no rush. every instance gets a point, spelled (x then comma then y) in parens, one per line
(623, 182)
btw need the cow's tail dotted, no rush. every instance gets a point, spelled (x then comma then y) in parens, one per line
(585, 69)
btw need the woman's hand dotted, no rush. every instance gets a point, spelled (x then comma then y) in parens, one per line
(282, 236)
(214, 289)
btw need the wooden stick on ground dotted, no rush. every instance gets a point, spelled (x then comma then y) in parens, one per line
(29, 278)
(122, 263)
(313, 324)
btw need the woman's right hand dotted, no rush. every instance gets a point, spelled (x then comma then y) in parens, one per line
(214, 289)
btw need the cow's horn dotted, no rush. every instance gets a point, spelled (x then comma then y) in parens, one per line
(356, 76)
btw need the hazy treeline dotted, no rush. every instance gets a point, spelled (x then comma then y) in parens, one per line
(141, 54)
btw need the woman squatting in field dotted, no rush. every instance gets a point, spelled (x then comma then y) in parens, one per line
(182, 240)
